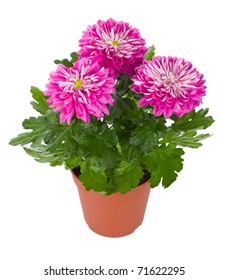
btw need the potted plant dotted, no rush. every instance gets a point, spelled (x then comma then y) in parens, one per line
(118, 117)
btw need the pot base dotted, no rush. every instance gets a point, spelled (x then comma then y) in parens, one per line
(112, 235)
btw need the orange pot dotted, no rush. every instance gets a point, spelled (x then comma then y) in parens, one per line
(115, 215)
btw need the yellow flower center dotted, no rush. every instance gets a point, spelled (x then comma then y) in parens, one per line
(78, 83)
(115, 43)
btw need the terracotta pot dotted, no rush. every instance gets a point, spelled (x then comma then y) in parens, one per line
(115, 215)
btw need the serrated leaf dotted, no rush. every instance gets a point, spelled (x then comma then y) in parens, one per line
(34, 123)
(127, 176)
(40, 104)
(37, 125)
(74, 57)
(163, 163)
(72, 162)
(144, 137)
(43, 157)
(94, 180)
(185, 139)
(193, 121)
(58, 135)
(25, 138)
(49, 140)
(131, 153)
(100, 144)
(108, 137)
(148, 131)
(150, 53)
(66, 62)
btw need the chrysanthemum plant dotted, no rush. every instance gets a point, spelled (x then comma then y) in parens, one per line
(115, 113)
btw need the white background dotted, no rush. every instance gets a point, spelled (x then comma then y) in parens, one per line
(41, 218)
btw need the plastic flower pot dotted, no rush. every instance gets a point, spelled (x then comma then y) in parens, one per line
(115, 215)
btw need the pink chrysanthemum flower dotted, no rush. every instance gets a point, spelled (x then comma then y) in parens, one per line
(170, 85)
(116, 45)
(83, 90)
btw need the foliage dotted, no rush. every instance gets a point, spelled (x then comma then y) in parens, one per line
(113, 153)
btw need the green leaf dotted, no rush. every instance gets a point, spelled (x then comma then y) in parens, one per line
(185, 139)
(40, 103)
(163, 163)
(148, 131)
(34, 123)
(37, 125)
(66, 62)
(144, 137)
(193, 121)
(150, 53)
(24, 138)
(97, 142)
(94, 180)
(123, 106)
(44, 157)
(72, 162)
(127, 176)
(93, 176)
(130, 153)
(74, 57)
(58, 135)
(49, 140)
(123, 84)
(108, 137)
